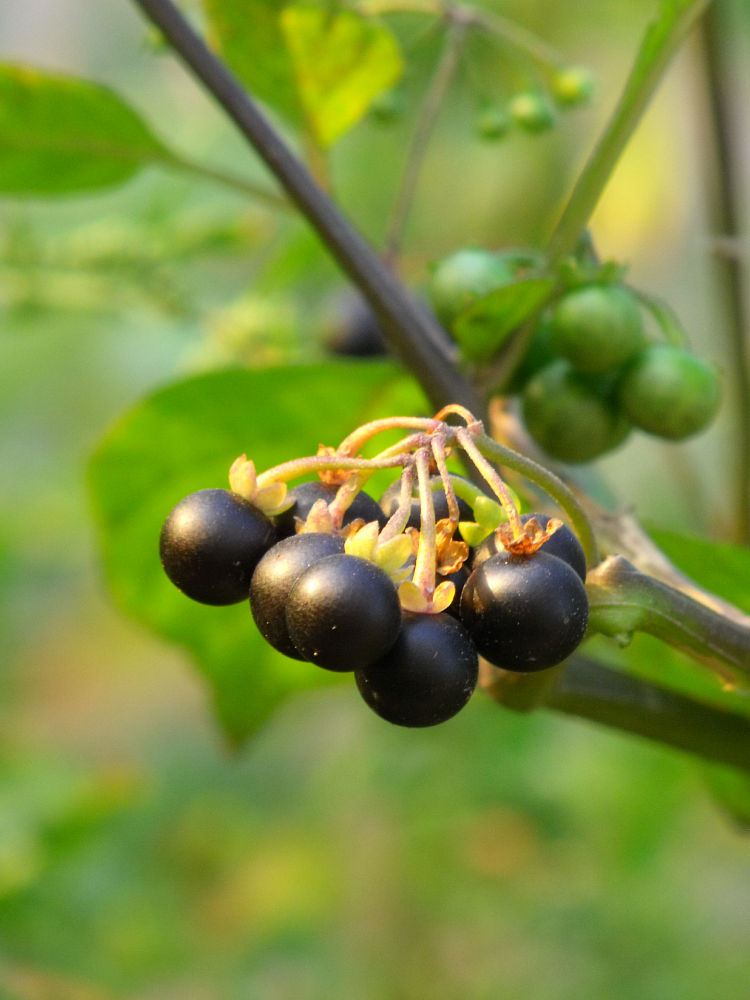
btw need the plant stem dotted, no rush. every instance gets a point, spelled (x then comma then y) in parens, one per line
(662, 40)
(724, 208)
(423, 129)
(410, 329)
(588, 690)
(425, 567)
(512, 33)
(233, 181)
(624, 600)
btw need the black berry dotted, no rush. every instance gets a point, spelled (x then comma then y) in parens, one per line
(275, 576)
(525, 613)
(458, 579)
(389, 503)
(343, 613)
(426, 677)
(562, 544)
(363, 506)
(356, 331)
(210, 544)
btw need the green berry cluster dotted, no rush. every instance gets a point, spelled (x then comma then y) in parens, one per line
(536, 109)
(592, 375)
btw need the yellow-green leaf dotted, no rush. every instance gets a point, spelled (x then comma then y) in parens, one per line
(341, 62)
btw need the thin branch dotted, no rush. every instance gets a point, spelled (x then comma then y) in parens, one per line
(588, 690)
(624, 600)
(662, 40)
(512, 33)
(724, 207)
(239, 184)
(425, 124)
(584, 688)
(410, 329)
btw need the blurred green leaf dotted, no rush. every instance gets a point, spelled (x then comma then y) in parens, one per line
(731, 791)
(723, 569)
(183, 439)
(483, 328)
(60, 134)
(317, 68)
(249, 36)
(342, 62)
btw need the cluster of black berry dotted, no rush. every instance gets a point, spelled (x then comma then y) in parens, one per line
(391, 590)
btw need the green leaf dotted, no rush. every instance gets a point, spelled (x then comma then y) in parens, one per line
(249, 36)
(183, 439)
(720, 568)
(319, 69)
(341, 62)
(483, 328)
(731, 791)
(60, 134)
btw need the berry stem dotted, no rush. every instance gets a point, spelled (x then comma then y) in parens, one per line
(400, 517)
(354, 441)
(426, 565)
(465, 439)
(514, 34)
(438, 450)
(344, 497)
(459, 411)
(318, 463)
(551, 484)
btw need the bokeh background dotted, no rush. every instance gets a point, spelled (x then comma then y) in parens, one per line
(498, 856)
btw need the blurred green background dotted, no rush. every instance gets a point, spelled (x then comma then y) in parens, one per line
(498, 856)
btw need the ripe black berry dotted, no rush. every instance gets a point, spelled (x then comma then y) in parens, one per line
(525, 613)
(389, 503)
(458, 579)
(426, 677)
(562, 544)
(356, 331)
(305, 495)
(210, 544)
(343, 613)
(275, 576)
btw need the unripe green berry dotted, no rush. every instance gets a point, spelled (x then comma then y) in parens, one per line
(669, 392)
(572, 86)
(532, 111)
(464, 276)
(388, 106)
(570, 415)
(597, 328)
(492, 123)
